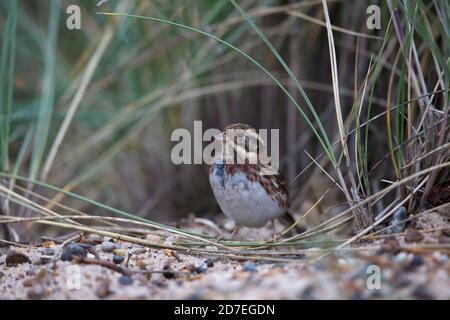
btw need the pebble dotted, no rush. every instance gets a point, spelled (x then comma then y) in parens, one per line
(412, 235)
(190, 267)
(43, 259)
(209, 263)
(229, 225)
(120, 252)
(141, 264)
(249, 266)
(118, 259)
(399, 215)
(103, 289)
(202, 267)
(47, 251)
(125, 280)
(71, 250)
(440, 257)
(36, 293)
(14, 258)
(48, 244)
(421, 292)
(401, 257)
(32, 271)
(390, 245)
(108, 246)
(168, 273)
(153, 238)
(416, 261)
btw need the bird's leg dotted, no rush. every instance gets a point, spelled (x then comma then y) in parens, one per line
(274, 233)
(235, 230)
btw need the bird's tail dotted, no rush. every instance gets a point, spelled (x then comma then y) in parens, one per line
(288, 220)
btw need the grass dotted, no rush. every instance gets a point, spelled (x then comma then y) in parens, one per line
(86, 115)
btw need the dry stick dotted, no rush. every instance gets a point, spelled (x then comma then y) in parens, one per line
(305, 214)
(12, 193)
(334, 144)
(374, 235)
(13, 243)
(50, 204)
(337, 103)
(444, 146)
(151, 244)
(417, 136)
(7, 191)
(334, 27)
(363, 232)
(384, 192)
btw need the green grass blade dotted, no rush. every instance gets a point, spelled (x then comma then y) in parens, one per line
(278, 83)
(48, 92)
(324, 135)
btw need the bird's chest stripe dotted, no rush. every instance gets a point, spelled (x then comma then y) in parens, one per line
(219, 172)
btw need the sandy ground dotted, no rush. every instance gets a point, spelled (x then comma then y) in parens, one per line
(37, 272)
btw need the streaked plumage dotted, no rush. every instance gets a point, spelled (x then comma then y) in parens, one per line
(243, 194)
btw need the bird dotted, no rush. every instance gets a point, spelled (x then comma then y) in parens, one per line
(242, 192)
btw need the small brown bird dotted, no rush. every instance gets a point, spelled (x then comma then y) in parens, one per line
(243, 193)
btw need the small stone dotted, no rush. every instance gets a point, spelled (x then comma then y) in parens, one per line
(308, 293)
(229, 225)
(48, 244)
(412, 235)
(31, 271)
(190, 267)
(47, 251)
(103, 289)
(421, 292)
(416, 261)
(73, 249)
(141, 264)
(440, 257)
(125, 280)
(108, 246)
(201, 268)
(120, 252)
(36, 293)
(390, 245)
(401, 257)
(28, 282)
(168, 273)
(249, 266)
(398, 216)
(15, 257)
(209, 263)
(153, 238)
(118, 259)
(43, 260)
(446, 232)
